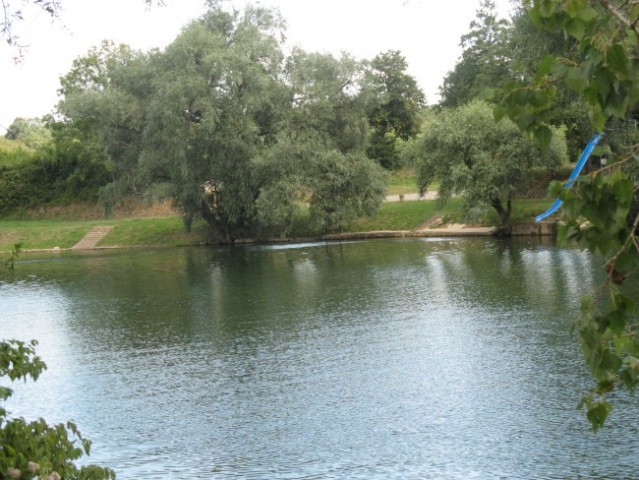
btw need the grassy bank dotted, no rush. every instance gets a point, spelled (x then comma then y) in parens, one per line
(169, 231)
(131, 232)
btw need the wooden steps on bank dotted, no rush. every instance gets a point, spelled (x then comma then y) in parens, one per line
(91, 239)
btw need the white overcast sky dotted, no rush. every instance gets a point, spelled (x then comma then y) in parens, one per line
(427, 32)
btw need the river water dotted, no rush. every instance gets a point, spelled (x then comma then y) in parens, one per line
(386, 359)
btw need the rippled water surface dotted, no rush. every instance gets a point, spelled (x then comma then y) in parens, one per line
(446, 359)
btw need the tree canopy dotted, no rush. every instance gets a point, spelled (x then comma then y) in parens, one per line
(486, 162)
(485, 61)
(229, 127)
(393, 106)
(30, 132)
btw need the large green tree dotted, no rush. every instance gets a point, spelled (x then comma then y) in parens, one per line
(217, 97)
(319, 154)
(485, 61)
(602, 211)
(484, 161)
(394, 103)
(103, 104)
(229, 127)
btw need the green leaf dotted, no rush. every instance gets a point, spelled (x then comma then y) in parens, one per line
(543, 134)
(617, 58)
(577, 79)
(597, 413)
(546, 65)
(576, 27)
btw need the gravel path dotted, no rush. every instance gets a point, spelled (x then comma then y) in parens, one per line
(429, 195)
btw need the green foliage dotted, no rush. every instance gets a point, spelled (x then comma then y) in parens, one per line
(603, 74)
(35, 449)
(344, 187)
(10, 263)
(599, 217)
(485, 62)
(31, 132)
(213, 118)
(486, 162)
(104, 98)
(48, 177)
(601, 213)
(393, 108)
(327, 107)
(337, 187)
(13, 154)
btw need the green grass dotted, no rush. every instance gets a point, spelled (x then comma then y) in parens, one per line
(405, 215)
(46, 234)
(401, 181)
(169, 231)
(37, 234)
(527, 210)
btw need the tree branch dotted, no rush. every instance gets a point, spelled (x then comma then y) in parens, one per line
(620, 16)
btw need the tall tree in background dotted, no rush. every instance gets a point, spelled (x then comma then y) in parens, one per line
(528, 46)
(497, 51)
(103, 100)
(485, 60)
(393, 108)
(319, 155)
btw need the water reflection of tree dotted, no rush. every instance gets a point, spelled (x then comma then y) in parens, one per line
(514, 274)
(171, 297)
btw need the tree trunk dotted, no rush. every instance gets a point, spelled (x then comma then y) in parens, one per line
(218, 231)
(504, 213)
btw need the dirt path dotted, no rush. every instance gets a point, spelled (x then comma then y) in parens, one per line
(429, 195)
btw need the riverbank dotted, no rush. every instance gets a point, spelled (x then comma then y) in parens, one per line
(409, 218)
(441, 230)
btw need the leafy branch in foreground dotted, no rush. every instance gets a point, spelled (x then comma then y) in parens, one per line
(10, 263)
(35, 449)
(602, 212)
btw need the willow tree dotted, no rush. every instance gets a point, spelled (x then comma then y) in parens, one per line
(319, 156)
(216, 92)
(484, 161)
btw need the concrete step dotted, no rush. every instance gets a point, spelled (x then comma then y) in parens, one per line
(91, 239)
